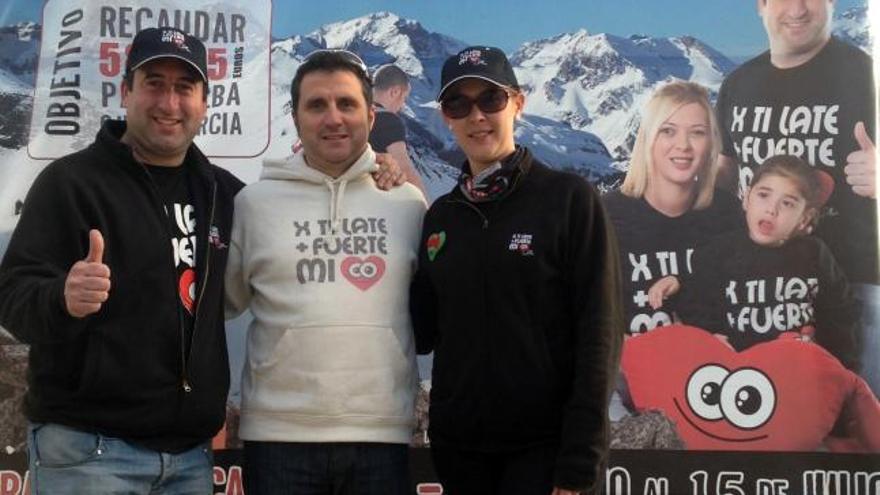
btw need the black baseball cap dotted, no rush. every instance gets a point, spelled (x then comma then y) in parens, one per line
(481, 62)
(167, 42)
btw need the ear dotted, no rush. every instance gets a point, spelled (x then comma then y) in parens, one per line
(807, 218)
(520, 101)
(761, 4)
(446, 120)
(745, 201)
(371, 116)
(124, 90)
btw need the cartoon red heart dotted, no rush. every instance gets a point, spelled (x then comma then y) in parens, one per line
(186, 287)
(363, 273)
(784, 394)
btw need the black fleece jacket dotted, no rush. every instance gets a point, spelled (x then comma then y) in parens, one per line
(122, 371)
(519, 298)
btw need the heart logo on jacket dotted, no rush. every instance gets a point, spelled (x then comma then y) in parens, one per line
(363, 273)
(435, 243)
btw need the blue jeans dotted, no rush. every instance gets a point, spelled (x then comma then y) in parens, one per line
(280, 468)
(65, 460)
(870, 342)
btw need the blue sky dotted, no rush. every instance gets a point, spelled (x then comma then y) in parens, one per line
(731, 26)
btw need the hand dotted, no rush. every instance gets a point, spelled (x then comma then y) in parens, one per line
(861, 164)
(662, 289)
(389, 174)
(88, 282)
(563, 491)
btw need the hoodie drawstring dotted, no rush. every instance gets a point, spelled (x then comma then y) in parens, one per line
(337, 194)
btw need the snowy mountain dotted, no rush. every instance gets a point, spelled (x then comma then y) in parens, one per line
(584, 92)
(599, 83)
(19, 49)
(383, 38)
(853, 25)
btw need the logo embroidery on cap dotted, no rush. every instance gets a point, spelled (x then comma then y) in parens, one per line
(521, 243)
(473, 57)
(176, 37)
(435, 243)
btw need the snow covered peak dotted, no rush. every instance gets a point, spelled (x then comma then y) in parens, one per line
(854, 25)
(382, 37)
(19, 47)
(28, 31)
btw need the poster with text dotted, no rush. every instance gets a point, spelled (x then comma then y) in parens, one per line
(785, 403)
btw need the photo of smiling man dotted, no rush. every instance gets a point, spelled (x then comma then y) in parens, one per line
(323, 259)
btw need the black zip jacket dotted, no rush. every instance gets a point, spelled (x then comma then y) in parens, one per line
(521, 306)
(122, 371)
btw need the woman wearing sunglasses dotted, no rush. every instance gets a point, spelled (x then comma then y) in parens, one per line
(517, 293)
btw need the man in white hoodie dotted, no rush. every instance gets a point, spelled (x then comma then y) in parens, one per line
(323, 259)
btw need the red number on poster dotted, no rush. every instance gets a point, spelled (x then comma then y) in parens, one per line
(110, 59)
(217, 63)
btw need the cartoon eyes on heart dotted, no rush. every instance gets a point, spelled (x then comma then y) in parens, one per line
(744, 397)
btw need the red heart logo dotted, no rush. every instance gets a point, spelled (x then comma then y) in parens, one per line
(785, 394)
(186, 288)
(435, 243)
(363, 273)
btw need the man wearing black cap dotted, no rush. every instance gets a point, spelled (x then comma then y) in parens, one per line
(114, 276)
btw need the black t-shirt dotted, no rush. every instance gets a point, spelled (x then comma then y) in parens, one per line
(653, 245)
(752, 293)
(387, 129)
(809, 111)
(173, 188)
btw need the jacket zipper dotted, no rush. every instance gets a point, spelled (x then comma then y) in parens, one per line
(181, 327)
(187, 386)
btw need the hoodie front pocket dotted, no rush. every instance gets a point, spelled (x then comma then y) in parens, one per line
(330, 370)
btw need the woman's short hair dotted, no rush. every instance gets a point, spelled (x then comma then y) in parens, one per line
(665, 102)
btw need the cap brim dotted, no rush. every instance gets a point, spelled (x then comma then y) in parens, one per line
(468, 76)
(171, 55)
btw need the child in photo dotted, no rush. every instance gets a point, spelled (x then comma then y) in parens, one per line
(749, 287)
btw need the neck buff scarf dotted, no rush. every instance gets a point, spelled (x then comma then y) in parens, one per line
(493, 182)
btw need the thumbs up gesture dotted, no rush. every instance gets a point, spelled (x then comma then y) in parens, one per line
(88, 282)
(861, 164)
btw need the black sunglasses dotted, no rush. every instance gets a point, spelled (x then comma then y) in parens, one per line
(459, 106)
(348, 56)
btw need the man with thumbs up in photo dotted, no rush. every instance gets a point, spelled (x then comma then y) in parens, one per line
(114, 276)
(813, 95)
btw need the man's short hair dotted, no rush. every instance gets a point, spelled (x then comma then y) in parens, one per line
(388, 76)
(331, 61)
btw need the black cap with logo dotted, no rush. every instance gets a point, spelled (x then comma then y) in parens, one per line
(167, 42)
(482, 62)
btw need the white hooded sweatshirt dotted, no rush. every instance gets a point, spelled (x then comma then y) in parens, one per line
(324, 265)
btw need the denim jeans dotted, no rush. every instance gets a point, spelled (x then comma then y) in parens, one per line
(278, 468)
(65, 460)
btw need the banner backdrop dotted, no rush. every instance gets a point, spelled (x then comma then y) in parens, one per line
(695, 418)
(82, 60)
